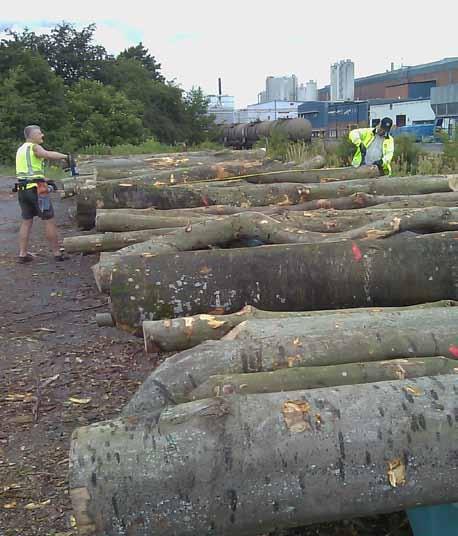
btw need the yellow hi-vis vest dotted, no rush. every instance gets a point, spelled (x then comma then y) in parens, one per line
(367, 136)
(28, 166)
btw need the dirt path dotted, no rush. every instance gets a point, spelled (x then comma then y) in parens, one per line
(58, 370)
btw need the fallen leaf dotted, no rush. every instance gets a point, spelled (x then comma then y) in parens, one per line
(188, 228)
(73, 522)
(10, 506)
(396, 473)
(45, 329)
(19, 397)
(35, 506)
(79, 400)
(48, 381)
(413, 390)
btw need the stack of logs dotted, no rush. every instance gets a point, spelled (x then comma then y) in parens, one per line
(312, 311)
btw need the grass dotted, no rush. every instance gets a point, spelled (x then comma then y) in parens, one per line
(52, 172)
(150, 146)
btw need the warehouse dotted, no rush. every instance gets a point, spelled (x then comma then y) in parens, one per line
(404, 83)
(335, 119)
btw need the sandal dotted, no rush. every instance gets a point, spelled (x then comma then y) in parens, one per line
(61, 257)
(25, 258)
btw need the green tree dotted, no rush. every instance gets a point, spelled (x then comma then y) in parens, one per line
(102, 115)
(71, 53)
(142, 55)
(198, 121)
(30, 93)
(163, 110)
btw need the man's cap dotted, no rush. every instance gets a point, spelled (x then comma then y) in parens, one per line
(386, 123)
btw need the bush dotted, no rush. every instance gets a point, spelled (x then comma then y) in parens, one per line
(406, 154)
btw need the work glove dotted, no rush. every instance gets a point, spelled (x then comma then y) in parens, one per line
(379, 164)
(363, 150)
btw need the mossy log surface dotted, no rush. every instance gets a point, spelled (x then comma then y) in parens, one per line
(293, 379)
(292, 277)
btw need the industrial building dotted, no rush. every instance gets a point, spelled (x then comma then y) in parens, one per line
(268, 111)
(444, 102)
(404, 83)
(402, 112)
(343, 81)
(335, 119)
(281, 88)
(222, 107)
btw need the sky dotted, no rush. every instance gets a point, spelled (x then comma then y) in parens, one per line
(243, 42)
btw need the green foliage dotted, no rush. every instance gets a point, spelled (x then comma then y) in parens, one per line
(30, 93)
(71, 53)
(81, 96)
(451, 152)
(406, 153)
(277, 145)
(345, 151)
(150, 146)
(101, 114)
(142, 55)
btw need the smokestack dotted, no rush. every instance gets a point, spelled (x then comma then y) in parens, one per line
(219, 91)
(392, 66)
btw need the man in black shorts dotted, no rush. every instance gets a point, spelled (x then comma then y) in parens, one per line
(33, 195)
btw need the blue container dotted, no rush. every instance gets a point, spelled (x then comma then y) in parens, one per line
(439, 520)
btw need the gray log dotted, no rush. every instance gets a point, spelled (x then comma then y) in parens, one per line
(245, 465)
(297, 277)
(293, 379)
(177, 334)
(267, 345)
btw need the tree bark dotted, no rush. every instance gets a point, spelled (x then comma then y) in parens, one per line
(127, 195)
(95, 243)
(269, 345)
(178, 334)
(318, 175)
(267, 230)
(135, 222)
(130, 195)
(326, 376)
(323, 221)
(221, 171)
(285, 278)
(248, 465)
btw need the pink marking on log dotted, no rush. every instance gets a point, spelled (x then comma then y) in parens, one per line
(205, 200)
(356, 252)
(454, 351)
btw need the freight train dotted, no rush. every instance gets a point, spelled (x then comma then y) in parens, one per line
(245, 135)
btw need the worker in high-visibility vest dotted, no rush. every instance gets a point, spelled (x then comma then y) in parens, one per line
(33, 191)
(374, 146)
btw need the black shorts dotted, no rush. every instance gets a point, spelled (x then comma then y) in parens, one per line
(28, 201)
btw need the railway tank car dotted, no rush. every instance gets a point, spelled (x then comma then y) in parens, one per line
(245, 135)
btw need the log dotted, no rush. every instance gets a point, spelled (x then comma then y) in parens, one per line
(327, 376)
(94, 243)
(134, 222)
(322, 221)
(355, 201)
(246, 465)
(317, 175)
(104, 320)
(285, 277)
(182, 333)
(130, 195)
(222, 171)
(269, 345)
